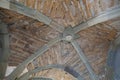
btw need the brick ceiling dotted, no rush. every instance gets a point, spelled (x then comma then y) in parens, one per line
(27, 35)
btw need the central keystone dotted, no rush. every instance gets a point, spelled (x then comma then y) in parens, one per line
(68, 38)
(69, 35)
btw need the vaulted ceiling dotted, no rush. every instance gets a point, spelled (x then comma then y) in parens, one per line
(29, 34)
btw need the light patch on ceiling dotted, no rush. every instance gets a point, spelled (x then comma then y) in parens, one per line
(9, 70)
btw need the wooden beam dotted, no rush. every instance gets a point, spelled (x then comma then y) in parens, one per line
(22, 9)
(105, 16)
(85, 60)
(39, 52)
(4, 49)
(26, 76)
